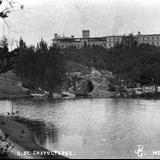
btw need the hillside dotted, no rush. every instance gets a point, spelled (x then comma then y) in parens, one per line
(76, 67)
(10, 84)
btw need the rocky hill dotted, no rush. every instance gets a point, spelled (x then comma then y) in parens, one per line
(83, 81)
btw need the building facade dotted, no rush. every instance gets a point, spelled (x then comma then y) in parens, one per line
(152, 39)
(106, 42)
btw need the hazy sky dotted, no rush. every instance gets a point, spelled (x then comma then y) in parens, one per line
(43, 18)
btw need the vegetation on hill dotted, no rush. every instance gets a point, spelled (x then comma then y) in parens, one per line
(128, 61)
(45, 66)
(71, 66)
(40, 66)
(86, 56)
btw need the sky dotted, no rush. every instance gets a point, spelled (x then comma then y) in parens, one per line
(43, 18)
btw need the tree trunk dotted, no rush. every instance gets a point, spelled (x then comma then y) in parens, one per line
(156, 88)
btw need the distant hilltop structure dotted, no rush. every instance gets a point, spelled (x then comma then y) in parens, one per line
(106, 42)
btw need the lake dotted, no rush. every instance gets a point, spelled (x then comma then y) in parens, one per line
(93, 128)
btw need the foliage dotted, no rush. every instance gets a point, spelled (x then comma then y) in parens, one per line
(5, 147)
(87, 56)
(7, 7)
(76, 67)
(42, 66)
(129, 61)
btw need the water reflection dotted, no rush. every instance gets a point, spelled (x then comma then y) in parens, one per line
(44, 134)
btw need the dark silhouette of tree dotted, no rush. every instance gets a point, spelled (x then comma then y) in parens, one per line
(128, 41)
(42, 66)
(22, 44)
(4, 43)
(54, 68)
(42, 47)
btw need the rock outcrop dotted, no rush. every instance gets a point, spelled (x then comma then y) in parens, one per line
(95, 84)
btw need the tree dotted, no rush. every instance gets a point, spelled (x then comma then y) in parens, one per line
(128, 41)
(4, 43)
(22, 45)
(54, 68)
(24, 60)
(6, 7)
(42, 66)
(42, 47)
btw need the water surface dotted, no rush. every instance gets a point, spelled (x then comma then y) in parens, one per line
(93, 128)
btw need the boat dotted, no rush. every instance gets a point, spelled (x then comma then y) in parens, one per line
(68, 95)
(39, 96)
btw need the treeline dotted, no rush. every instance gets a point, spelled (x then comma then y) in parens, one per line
(127, 60)
(44, 66)
(87, 55)
(6, 57)
(40, 66)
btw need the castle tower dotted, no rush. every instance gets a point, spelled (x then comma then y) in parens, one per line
(86, 34)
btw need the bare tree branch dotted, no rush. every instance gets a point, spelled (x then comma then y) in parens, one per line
(10, 6)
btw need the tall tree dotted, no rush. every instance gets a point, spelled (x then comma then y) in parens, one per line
(42, 66)
(42, 47)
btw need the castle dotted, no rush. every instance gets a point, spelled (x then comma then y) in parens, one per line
(106, 42)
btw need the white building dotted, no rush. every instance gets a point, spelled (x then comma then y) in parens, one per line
(106, 42)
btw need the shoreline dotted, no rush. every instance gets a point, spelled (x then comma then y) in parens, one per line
(21, 137)
(10, 97)
(77, 98)
(150, 96)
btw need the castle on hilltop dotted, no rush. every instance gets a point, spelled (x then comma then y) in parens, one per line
(106, 42)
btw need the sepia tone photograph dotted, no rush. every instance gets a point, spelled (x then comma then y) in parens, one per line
(79, 79)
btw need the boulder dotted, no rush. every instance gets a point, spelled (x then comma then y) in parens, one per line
(96, 84)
